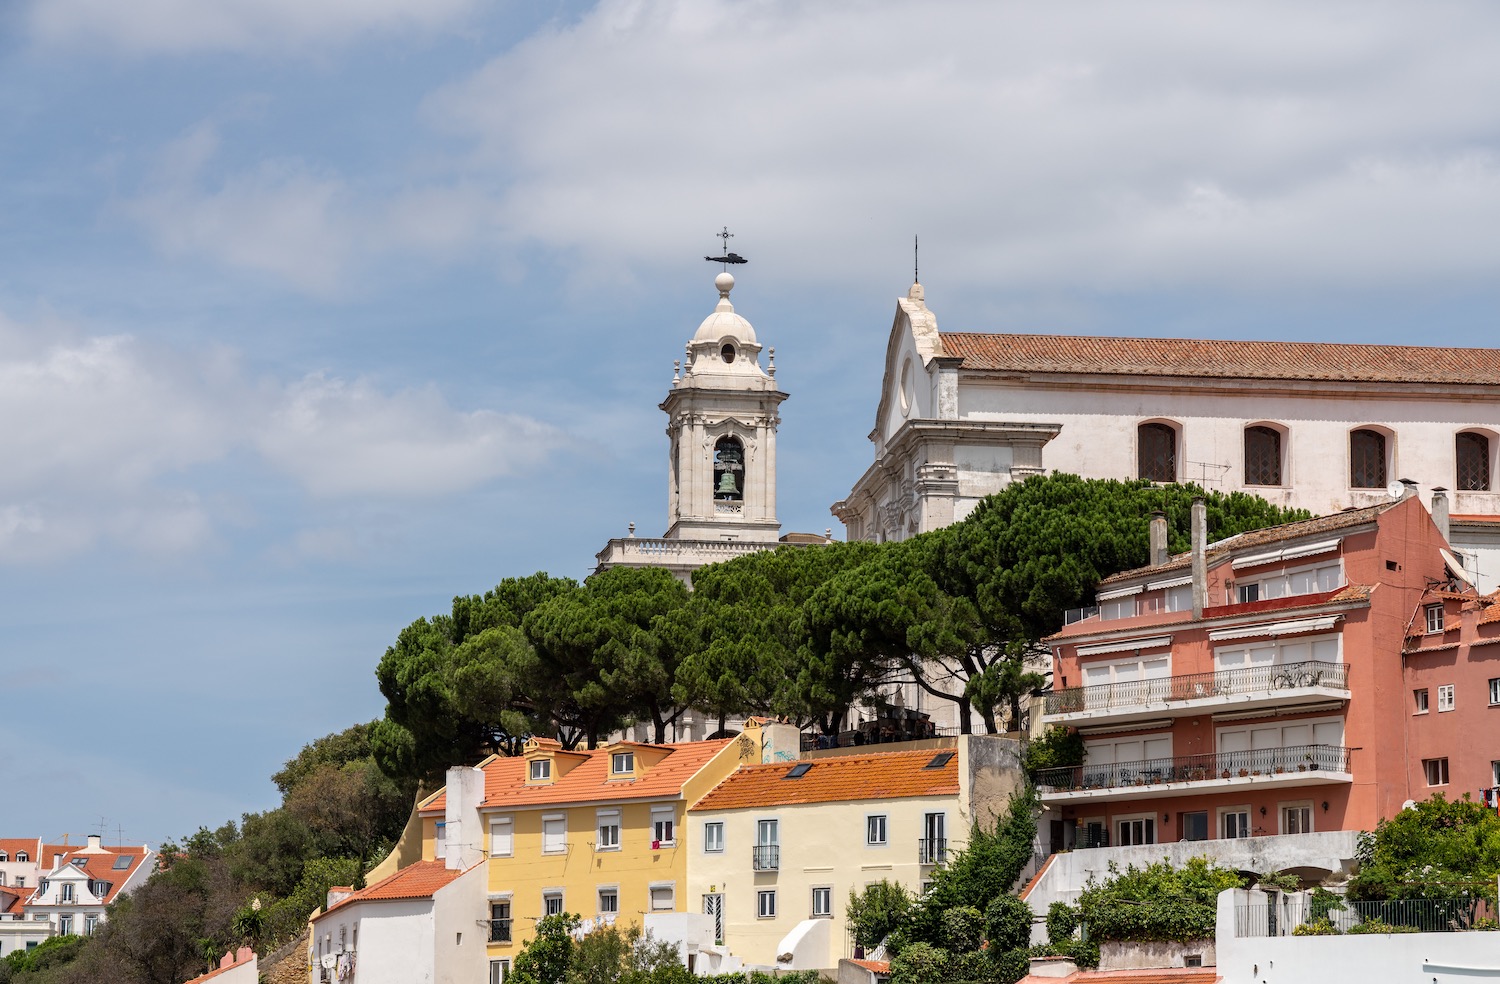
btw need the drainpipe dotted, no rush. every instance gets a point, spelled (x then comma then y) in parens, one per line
(1158, 538)
(1200, 559)
(1440, 511)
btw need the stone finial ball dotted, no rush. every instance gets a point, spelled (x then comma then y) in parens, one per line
(725, 282)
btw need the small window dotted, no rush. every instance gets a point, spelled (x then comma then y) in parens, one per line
(1296, 818)
(609, 831)
(1445, 698)
(1419, 701)
(502, 839)
(22, 856)
(765, 904)
(67, 891)
(609, 901)
(713, 837)
(1434, 618)
(663, 898)
(541, 770)
(1495, 691)
(500, 921)
(662, 828)
(1367, 459)
(554, 835)
(1156, 447)
(1234, 823)
(80, 862)
(552, 903)
(798, 771)
(1472, 452)
(4, 856)
(939, 760)
(727, 353)
(1262, 456)
(1195, 826)
(122, 861)
(64, 925)
(90, 924)
(822, 902)
(875, 829)
(622, 763)
(1436, 771)
(499, 971)
(1248, 593)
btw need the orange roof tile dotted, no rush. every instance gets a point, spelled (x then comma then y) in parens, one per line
(12, 899)
(98, 865)
(505, 779)
(241, 957)
(880, 775)
(1150, 975)
(10, 845)
(874, 966)
(1214, 359)
(418, 880)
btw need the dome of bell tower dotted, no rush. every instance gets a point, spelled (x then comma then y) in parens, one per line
(724, 323)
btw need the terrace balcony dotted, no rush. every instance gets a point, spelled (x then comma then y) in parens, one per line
(1293, 765)
(1241, 689)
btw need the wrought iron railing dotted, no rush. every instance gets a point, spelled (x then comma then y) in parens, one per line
(499, 930)
(932, 850)
(1197, 768)
(1282, 916)
(765, 857)
(1193, 686)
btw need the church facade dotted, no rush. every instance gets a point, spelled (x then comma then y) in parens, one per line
(1319, 426)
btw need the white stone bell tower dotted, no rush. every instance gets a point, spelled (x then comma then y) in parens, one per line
(722, 419)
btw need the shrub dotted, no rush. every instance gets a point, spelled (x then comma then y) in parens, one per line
(1376, 925)
(1317, 927)
(963, 929)
(1062, 921)
(1011, 966)
(919, 963)
(1321, 903)
(876, 911)
(1056, 748)
(1007, 924)
(1156, 903)
(1486, 925)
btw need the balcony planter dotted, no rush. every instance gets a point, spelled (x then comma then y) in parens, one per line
(1224, 774)
(1280, 770)
(1301, 768)
(1244, 773)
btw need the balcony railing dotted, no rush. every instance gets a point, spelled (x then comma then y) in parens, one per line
(1281, 917)
(766, 857)
(1196, 686)
(1197, 768)
(499, 930)
(932, 850)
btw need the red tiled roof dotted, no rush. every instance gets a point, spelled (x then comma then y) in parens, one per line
(1213, 359)
(505, 778)
(98, 865)
(880, 775)
(12, 899)
(874, 966)
(1152, 975)
(10, 845)
(241, 957)
(418, 880)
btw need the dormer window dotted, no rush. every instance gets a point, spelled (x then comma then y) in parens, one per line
(22, 856)
(622, 763)
(541, 770)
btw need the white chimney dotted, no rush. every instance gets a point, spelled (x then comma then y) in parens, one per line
(1158, 538)
(96, 843)
(464, 840)
(1200, 558)
(1440, 510)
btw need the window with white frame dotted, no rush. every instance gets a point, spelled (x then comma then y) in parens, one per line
(552, 902)
(663, 828)
(822, 902)
(66, 894)
(622, 763)
(875, 828)
(713, 837)
(1128, 670)
(1132, 751)
(90, 925)
(64, 925)
(440, 840)
(1434, 618)
(609, 900)
(1289, 583)
(1494, 691)
(541, 769)
(1296, 818)
(502, 838)
(609, 831)
(1436, 771)
(1445, 697)
(1495, 773)
(555, 834)
(1234, 822)
(499, 971)
(1136, 830)
(765, 904)
(1419, 701)
(22, 856)
(1266, 747)
(663, 897)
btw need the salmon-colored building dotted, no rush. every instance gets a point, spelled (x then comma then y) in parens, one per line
(1306, 678)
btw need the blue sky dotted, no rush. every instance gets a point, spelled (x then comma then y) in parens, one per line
(314, 313)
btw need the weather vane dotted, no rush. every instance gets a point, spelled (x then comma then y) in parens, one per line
(728, 257)
(915, 268)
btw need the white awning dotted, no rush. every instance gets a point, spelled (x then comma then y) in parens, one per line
(1176, 582)
(1286, 553)
(1288, 627)
(1125, 645)
(1119, 593)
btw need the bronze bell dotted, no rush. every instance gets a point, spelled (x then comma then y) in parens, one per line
(727, 484)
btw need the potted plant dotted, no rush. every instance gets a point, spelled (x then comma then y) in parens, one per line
(1244, 773)
(1224, 774)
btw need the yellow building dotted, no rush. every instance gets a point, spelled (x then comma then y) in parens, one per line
(774, 850)
(595, 833)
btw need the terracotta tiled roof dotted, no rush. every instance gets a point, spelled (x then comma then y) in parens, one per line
(12, 899)
(1260, 538)
(98, 865)
(10, 845)
(1490, 614)
(241, 957)
(1026, 892)
(505, 778)
(882, 775)
(1155, 975)
(1213, 359)
(874, 966)
(418, 880)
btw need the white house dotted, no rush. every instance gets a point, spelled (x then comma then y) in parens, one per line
(79, 882)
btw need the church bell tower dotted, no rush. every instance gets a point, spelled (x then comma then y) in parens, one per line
(722, 418)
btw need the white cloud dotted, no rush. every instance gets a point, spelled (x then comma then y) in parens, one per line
(110, 439)
(175, 26)
(1038, 145)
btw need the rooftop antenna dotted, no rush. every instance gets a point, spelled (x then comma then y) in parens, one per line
(728, 257)
(915, 267)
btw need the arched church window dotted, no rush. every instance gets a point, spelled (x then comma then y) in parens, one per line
(729, 469)
(1157, 449)
(1473, 454)
(1366, 459)
(1262, 456)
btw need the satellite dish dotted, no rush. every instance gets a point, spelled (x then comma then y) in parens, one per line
(330, 961)
(1409, 805)
(1395, 490)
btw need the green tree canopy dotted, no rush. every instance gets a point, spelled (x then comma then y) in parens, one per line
(1438, 849)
